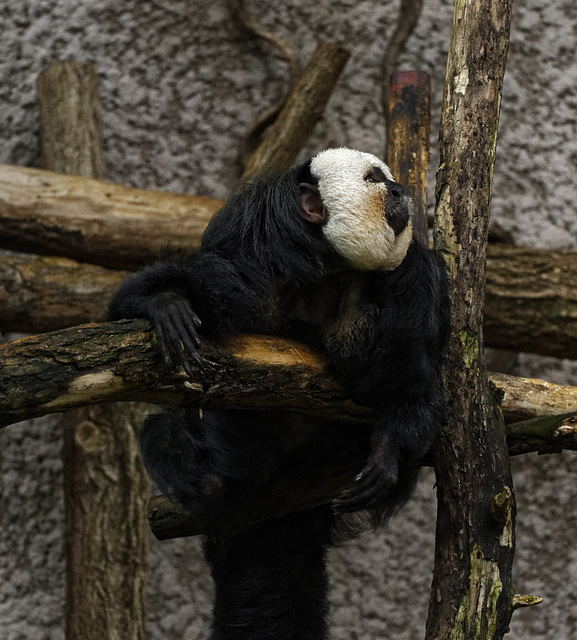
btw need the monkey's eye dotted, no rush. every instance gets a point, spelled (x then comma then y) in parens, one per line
(376, 174)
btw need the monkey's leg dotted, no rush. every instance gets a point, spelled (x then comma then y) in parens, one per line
(271, 581)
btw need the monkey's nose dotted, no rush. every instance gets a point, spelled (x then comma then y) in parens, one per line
(397, 206)
(395, 190)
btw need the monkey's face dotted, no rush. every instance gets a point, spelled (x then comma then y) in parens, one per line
(366, 214)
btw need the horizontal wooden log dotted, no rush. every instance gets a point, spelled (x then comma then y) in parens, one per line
(546, 434)
(95, 221)
(315, 475)
(40, 294)
(118, 361)
(528, 398)
(531, 303)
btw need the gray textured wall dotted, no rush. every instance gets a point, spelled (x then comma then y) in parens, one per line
(180, 84)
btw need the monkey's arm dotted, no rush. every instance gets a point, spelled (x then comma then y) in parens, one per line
(398, 375)
(180, 297)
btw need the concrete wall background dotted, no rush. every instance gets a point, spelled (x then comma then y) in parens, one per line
(180, 84)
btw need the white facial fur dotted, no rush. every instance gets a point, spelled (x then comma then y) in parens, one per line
(356, 225)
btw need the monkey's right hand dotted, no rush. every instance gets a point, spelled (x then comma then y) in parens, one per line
(176, 327)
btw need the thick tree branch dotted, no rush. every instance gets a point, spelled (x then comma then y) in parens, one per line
(40, 294)
(119, 361)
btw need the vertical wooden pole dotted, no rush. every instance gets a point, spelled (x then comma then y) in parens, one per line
(69, 110)
(408, 133)
(105, 486)
(471, 595)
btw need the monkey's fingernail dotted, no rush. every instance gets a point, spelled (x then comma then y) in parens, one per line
(359, 477)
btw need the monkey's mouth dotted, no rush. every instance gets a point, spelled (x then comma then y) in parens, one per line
(398, 216)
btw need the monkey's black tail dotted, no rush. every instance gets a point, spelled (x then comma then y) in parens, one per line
(270, 579)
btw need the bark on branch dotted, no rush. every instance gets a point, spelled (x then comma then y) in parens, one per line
(531, 301)
(119, 361)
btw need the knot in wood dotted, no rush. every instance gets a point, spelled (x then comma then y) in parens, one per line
(87, 436)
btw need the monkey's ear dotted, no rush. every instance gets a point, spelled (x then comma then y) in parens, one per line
(312, 206)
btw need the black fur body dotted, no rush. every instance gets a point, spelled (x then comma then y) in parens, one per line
(266, 266)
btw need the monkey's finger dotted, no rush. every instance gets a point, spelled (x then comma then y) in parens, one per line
(175, 353)
(186, 347)
(372, 486)
(187, 341)
(186, 361)
(187, 320)
(162, 333)
(359, 497)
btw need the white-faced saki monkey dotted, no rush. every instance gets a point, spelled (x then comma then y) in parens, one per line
(323, 253)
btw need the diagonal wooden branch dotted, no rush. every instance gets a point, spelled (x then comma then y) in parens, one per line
(334, 472)
(302, 110)
(255, 132)
(119, 361)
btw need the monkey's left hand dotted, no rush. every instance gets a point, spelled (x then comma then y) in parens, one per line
(176, 327)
